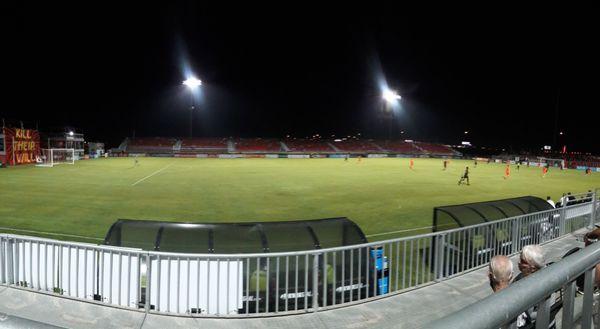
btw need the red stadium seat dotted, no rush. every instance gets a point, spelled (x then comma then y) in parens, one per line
(307, 145)
(257, 145)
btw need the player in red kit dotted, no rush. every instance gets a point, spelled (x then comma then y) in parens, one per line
(507, 171)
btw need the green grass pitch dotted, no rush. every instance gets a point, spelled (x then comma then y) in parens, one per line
(381, 195)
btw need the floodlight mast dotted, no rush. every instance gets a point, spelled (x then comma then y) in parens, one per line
(193, 84)
(390, 100)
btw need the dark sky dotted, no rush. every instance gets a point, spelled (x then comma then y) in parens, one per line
(110, 69)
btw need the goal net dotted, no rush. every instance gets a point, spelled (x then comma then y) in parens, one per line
(53, 157)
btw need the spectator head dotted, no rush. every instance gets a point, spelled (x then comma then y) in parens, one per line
(531, 260)
(591, 237)
(500, 272)
(547, 198)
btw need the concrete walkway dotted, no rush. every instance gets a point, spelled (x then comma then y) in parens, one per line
(408, 310)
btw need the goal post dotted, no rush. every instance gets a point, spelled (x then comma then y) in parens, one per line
(56, 156)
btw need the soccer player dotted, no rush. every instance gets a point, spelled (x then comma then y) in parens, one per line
(135, 161)
(445, 164)
(346, 158)
(544, 171)
(588, 171)
(359, 159)
(507, 171)
(475, 163)
(411, 164)
(464, 177)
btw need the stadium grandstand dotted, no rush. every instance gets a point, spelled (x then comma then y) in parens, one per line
(308, 145)
(357, 146)
(402, 147)
(203, 145)
(257, 145)
(161, 145)
(150, 145)
(435, 149)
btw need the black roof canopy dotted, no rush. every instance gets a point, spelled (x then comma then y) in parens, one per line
(454, 216)
(233, 238)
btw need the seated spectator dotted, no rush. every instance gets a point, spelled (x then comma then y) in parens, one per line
(500, 272)
(588, 239)
(563, 200)
(570, 198)
(531, 260)
(549, 200)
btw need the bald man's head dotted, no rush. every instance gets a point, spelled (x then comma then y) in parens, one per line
(500, 272)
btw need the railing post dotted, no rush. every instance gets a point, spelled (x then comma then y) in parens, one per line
(516, 236)
(563, 218)
(588, 298)
(148, 282)
(439, 259)
(543, 314)
(10, 262)
(315, 285)
(2, 262)
(593, 214)
(568, 304)
(561, 225)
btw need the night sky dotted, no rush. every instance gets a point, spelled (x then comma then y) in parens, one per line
(110, 70)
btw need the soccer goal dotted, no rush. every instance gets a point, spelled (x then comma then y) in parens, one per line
(53, 157)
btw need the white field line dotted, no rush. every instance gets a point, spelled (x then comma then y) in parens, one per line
(152, 174)
(48, 233)
(402, 231)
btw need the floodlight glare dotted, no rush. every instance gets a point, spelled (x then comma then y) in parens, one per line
(390, 96)
(192, 83)
(71, 133)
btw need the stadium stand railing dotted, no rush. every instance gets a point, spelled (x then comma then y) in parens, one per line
(274, 283)
(501, 310)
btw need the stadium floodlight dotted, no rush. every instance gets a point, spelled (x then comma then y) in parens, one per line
(71, 133)
(192, 83)
(390, 96)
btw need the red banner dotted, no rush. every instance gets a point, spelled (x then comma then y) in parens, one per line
(22, 145)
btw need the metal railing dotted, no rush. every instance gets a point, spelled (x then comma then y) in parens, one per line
(266, 284)
(539, 291)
